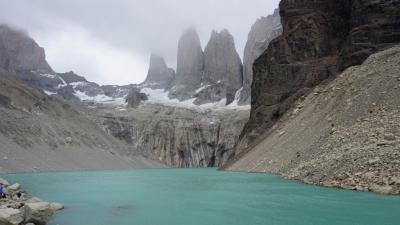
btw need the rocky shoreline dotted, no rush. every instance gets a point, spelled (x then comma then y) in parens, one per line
(17, 208)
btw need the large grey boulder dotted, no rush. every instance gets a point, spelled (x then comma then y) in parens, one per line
(10, 216)
(263, 31)
(14, 187)
(222, 65)
(56, 206)
(4, 182)
(159, 75)
(38, 213)
(190, 66)
(134, 98)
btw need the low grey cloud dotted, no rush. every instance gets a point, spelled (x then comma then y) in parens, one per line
(109, 42)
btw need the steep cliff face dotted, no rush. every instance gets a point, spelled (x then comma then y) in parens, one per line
(20, 52)
(317, 36)
(159, 75)
(344, 134)
(213, 76)
(178, 137)
(222, 67)
(190, 66)
(261, 34)
(374, 25)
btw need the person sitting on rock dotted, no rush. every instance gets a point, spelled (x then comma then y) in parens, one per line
(2, 194)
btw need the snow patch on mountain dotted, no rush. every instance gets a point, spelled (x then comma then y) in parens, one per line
(160, 96)
(99, 99)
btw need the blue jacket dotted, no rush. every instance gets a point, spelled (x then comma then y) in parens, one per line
(1, 190)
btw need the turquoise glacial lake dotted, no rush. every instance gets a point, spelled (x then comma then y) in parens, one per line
(202, 197)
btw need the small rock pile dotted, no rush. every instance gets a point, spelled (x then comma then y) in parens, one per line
(18, 209)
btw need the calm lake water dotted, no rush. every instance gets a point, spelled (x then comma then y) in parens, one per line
(202, 197)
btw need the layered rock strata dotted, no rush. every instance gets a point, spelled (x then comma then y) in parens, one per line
(318, 39)
(345, 133)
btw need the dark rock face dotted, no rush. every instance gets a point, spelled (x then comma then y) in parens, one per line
(374, 25)
(190, 66)
(71, 77)
(159, 75)
(135, 98)
(317, 35)
(20, 52)
(222, 64)
(261, 34)
(212, 93)
(67, 93)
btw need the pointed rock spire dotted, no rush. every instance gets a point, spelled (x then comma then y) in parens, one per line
(222, 64)
(159, 75)
(190, 65)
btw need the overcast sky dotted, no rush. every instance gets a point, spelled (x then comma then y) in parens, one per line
(110, 41)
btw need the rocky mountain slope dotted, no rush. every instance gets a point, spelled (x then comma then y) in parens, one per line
(263, 31)
(319, 38)
(343, 134)
(41, 133)
(200, 131)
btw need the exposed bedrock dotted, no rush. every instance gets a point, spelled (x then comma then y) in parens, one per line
(159, 75)
(210, 76)
(222, 67)
(318, 38)
(20, 52)
(176, 136)
(190, 66)
(374, 25)
(346, 133)
(263, 31)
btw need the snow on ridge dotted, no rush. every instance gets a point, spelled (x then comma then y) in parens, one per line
(48, 75)
(155, 96)
(102, 99)
(49, 92)
(159, 96)
(64, 84)
(77, 84)
(202, 88)
(235, 103)
(51, 76)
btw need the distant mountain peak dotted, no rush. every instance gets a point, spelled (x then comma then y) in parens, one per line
(20, 52)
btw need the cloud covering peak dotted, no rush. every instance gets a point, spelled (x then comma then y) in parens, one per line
(110, 42)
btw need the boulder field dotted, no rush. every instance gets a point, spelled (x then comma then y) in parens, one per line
(17, 208)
